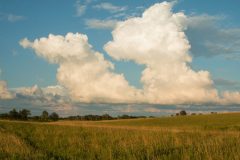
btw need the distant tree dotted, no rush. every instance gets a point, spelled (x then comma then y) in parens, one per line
(54, 116)
(36, 118)
(4, 115)
(91, 117)
(183, 113)
(125, 116)
(44, 115)
(24, 113)
(13, 114)
(193, 114)
(106, 117)
(177, 114)
(88, 117)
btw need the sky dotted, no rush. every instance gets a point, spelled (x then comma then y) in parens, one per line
(120, 57)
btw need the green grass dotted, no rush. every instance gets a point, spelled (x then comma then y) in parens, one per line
(213, 121)
(191, 137)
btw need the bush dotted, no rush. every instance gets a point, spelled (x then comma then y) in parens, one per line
(54, 116)
(183, 113)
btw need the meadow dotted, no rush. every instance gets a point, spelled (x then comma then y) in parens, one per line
(215, 136)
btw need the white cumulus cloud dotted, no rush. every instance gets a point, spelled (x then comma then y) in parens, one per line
(158, 41)
(4, 92)
(230, 98)
(83, 71)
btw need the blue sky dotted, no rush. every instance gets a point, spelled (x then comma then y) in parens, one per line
(214, 40)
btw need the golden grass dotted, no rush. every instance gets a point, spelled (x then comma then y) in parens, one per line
(192, 137)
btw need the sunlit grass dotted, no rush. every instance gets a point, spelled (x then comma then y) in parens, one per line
(191, 137)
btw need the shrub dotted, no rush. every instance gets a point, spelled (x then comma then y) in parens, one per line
(183, 113)
(54, 116)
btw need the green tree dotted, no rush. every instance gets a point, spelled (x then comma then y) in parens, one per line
(54, 116)
(106, 117)
(24, 113)
(44, 115)
(13, 114)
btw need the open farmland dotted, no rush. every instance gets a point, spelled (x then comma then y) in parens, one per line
(214, 136)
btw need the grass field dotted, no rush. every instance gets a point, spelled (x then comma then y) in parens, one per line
(213, 137)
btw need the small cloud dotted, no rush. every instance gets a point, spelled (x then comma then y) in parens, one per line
(225, 83)
(80, 8)
(4, 92)
(88, 1)
(208, 38)
(14, 52)
(11, 17)
(14, 18)
(128, 109)
(163, 110)
(110, 7)
(152, 110)
(120, 15)
(100, 24)
(55, 90)
(235, 57)
(140, 8)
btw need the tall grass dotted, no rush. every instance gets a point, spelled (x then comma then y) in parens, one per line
(20, 140)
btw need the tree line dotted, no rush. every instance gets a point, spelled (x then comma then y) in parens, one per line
(25, 114)
(184, 113)
(91, 117)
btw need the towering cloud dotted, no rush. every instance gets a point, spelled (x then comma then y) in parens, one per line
(83, 71)
(4, 92)
(158, 41)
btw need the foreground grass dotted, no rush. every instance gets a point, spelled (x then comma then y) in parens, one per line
(192, 137)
